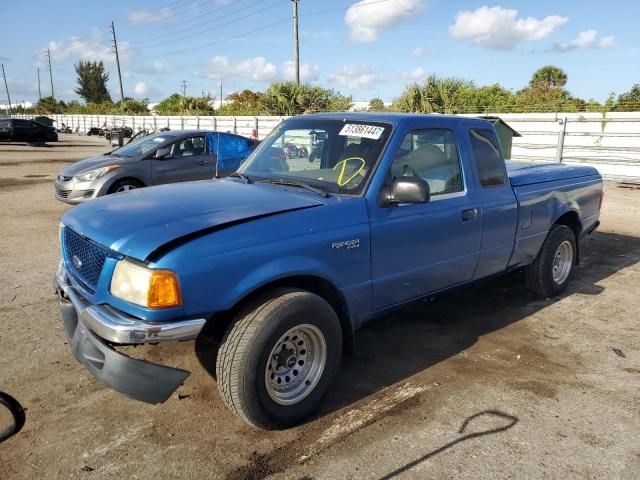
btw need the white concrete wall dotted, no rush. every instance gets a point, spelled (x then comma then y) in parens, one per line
(609, 142)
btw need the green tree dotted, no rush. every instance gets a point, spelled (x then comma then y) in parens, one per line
(246, 102)
(178, 105)
(376, 105)
(435, 95)
(288, 98)
(629, 101)
(92, 81)
(131, 106)
(548, 77)
(49, 105)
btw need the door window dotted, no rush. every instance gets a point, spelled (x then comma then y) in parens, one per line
(488, 157)
(189, 147)
(431, 154)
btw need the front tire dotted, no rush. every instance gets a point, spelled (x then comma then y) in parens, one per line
(550, 272)
(124, 185)
(277, 359)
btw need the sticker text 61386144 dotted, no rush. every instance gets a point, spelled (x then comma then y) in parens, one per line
(358, 130)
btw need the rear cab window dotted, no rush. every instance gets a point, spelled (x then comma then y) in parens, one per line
(488, 156)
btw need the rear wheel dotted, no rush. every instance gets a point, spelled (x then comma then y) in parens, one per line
(124, 185)
(276, 361)
(549, 274)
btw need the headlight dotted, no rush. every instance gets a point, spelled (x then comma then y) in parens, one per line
(95, 173)
(145, 286)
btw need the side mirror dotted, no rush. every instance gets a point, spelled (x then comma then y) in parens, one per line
(162, 152)
(408, 190)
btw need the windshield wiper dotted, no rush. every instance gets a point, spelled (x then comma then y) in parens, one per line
(244, 177)
(292, 183)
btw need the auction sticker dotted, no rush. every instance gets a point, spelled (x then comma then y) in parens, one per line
(365, 131)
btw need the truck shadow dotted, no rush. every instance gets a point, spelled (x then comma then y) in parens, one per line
(397, 346)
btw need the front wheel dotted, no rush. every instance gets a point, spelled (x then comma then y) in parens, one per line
(549, 274)
(124, 185)
(277, 359)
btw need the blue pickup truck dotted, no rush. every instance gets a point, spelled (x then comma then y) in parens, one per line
(286, 258)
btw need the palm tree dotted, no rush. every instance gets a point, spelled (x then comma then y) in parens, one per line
(548, 77)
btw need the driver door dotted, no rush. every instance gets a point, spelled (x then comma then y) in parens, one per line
(188, 159)
(421, 248)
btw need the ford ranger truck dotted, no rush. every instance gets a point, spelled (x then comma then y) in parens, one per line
(289, 256)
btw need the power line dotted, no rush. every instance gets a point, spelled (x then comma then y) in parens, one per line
(168, 30)
(223, 40)
(183, 86)
(115, 48)
(213, 27)
(340, 9)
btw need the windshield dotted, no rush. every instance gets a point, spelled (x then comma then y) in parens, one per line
(334, 156)
(139, 147)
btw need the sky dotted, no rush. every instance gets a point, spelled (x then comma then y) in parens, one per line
(366, 48)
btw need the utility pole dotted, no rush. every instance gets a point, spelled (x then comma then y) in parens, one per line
(7, 88)
(183, 86)
(39, 91)
(115, 49)
(220, 89)
(296, 42)
(50, 72)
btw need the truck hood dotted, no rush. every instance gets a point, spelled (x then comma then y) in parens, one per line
(91, 163)
(527, 173)
(140, 222)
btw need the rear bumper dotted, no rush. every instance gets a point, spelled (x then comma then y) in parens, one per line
(89, 328)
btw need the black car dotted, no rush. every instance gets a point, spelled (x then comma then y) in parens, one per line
(19, 130)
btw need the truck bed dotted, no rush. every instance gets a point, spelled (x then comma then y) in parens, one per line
(527, 173)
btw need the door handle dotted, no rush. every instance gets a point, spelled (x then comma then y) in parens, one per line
(469, 214)
(203, 163)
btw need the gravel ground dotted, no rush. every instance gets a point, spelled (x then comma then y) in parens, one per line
(488, 382)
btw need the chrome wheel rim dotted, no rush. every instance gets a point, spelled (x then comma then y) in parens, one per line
(126, 188)
(562, 262)
(295, 364)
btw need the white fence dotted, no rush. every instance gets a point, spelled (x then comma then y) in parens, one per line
(610, 142)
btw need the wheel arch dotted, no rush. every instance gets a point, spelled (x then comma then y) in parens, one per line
(219, 322)
(115, 180)
(571, 219)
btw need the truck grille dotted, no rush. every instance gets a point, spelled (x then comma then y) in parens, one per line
(84, 258)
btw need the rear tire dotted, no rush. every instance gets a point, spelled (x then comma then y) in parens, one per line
(277, 359)
(550, 272)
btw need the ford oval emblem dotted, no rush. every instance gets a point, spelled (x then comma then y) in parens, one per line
(76, 261)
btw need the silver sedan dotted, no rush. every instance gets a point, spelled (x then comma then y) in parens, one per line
(165, 157)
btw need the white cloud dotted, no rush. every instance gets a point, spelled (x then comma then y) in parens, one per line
(356, 76)
(141, 17)
(416, 74)
(366, 19)
(585, 39)
(500, 28)
(140, 89)
(420, 52)
(94, 48)
(258, 69)
(308, 73)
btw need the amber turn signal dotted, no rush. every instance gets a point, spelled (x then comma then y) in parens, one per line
(164, 290)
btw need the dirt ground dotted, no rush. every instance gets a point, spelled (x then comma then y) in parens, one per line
(488, 382)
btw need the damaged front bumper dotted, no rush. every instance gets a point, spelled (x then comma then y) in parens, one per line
(91, 329)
